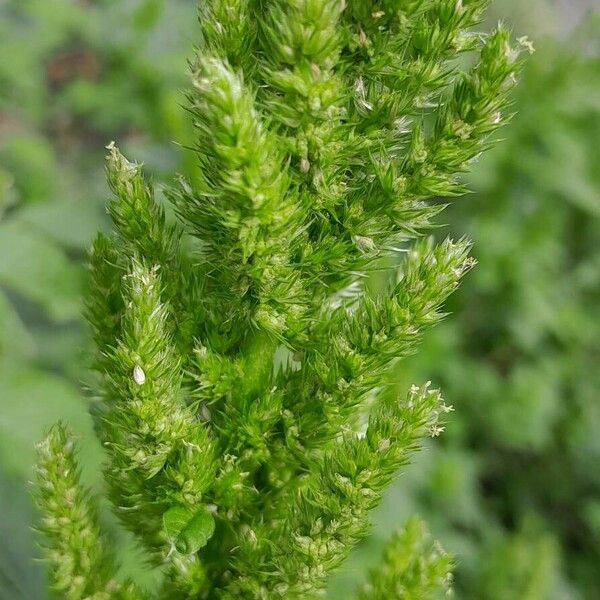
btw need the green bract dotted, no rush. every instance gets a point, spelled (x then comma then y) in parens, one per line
(242, 350)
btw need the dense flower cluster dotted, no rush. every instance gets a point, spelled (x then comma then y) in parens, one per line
(242, 353)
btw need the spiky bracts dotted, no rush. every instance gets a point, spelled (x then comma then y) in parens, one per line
(413, 568)
(326, 507)
(79, 562)
(242, 359)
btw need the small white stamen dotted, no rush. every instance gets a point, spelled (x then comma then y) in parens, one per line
(527, 44)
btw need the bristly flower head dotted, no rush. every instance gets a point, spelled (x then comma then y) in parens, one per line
(242, 353)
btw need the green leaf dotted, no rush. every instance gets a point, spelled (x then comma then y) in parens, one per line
(188, 531)
(174, 520)
(196, 533)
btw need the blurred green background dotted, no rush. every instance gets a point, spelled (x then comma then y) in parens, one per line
(513, 486)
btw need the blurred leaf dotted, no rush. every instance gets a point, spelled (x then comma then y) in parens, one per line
(37, 269)
(8, 196)
(68, 221)
(31, 401)
(31, 161)
(147, 14)
(523, 566)
(15, 340)
(21, 577)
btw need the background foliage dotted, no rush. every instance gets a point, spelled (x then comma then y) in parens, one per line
(512, 487)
